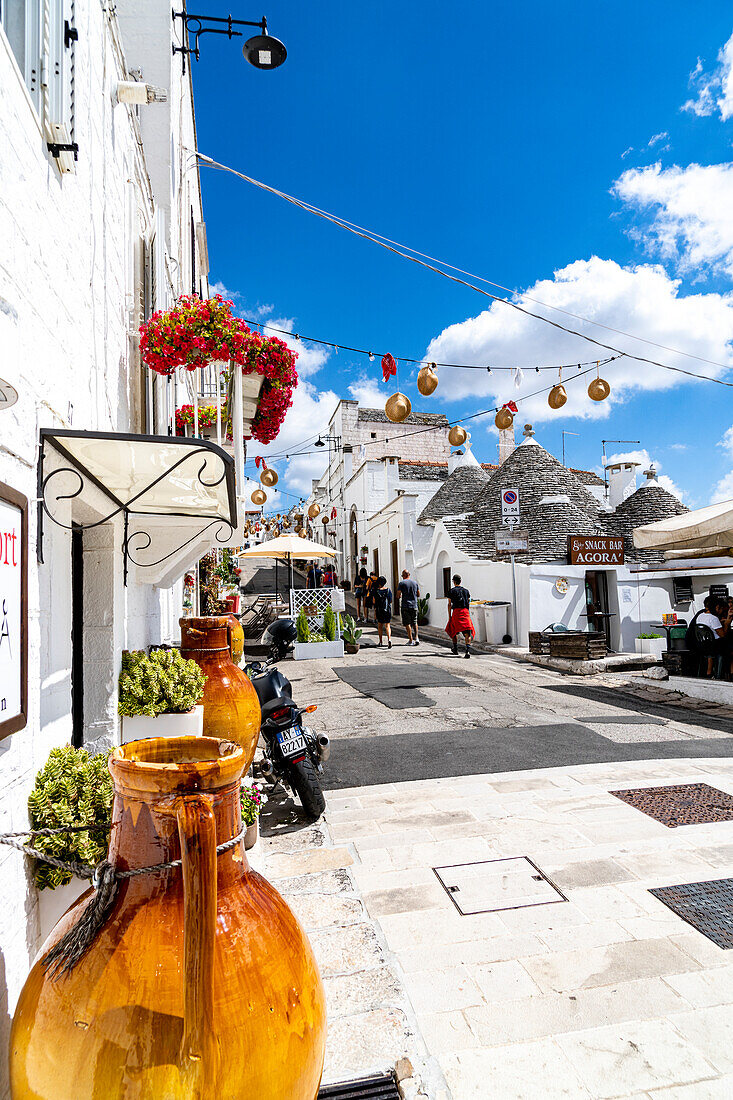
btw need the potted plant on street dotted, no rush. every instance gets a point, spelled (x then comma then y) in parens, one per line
(423, 610)
(251, 800)
(351, 634)
(159, 695)
(312, 642)
(72, 788)
(650, 643)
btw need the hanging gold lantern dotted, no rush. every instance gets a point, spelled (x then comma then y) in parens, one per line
(324, 521)
(557, 396)
(457, 436)
(259, 496)
(301, 532)
(427, 380)
(397, 408)
(278, 516)
(314, 510)
(286, 523)
(504, 419)
(599, 389)
(268, 477)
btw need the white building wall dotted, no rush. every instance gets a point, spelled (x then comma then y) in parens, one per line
(69, 266)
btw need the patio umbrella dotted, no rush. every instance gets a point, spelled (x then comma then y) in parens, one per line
(699, 533)
(287, 547)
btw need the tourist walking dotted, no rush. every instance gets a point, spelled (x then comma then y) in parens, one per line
(409, 592)
(360, 593)
(369, 589)
(383, 610)
(459, 621)
(313, 577)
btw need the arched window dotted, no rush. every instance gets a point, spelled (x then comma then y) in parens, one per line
(443, 575)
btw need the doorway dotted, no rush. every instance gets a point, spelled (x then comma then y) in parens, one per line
(375, 555)
(77, 637)
(596, 601)
(395, 577)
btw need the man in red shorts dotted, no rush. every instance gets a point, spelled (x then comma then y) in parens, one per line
(459, 621)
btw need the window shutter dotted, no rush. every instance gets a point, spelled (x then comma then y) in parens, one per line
(59, 79)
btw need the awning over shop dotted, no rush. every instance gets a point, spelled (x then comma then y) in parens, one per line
(175, 497)
(699, 532)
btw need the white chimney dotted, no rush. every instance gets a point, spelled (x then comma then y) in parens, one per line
(348, 458)
(454, 460)
(506, 444)
(464, 456)
(621, 482)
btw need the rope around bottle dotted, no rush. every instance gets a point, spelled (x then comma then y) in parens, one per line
(74, 944)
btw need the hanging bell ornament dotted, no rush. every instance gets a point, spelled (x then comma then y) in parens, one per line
(457, 436)
(504, 419)
(599, 389)
(259, 496)
(427, 380)
(557, 396)
(397, 408)
(314, 510)
(268, 477)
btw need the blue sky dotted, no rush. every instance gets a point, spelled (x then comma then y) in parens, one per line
(580, 153)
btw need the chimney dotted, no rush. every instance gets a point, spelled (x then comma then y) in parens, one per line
(454, 460)
(506, 444)
(621, 482)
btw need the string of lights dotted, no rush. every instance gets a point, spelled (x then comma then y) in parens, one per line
(401, 250)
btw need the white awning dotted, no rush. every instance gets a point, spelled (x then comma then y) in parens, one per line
(175, 497)
(705, 529)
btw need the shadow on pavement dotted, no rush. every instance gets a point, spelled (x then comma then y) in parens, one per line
(616, 697)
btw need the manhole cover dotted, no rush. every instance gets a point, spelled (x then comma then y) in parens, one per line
(707, 906)
(369, 1088)
(496, 884)
(684, 804)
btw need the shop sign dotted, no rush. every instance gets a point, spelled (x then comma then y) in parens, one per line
(13, 610)
(595, 550)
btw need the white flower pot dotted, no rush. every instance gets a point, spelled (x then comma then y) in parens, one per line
(142, 726)
(656, 646)
(252, 835)
(52, 904)
(309, 651)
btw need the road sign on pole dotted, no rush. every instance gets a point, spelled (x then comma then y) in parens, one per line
(510, 507)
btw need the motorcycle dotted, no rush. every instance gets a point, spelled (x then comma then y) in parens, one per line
(294, 753)
(279, 637)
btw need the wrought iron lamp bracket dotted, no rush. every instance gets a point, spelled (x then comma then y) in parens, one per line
(196, 25)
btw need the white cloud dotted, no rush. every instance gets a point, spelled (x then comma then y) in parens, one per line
(311, 357)
(627, 152)
(693, 220)
(305, 420)
(366, 391)
(713, 91)
(218, 287)
(655, 139)
(727, 442)
(723, 490)
(642, 299)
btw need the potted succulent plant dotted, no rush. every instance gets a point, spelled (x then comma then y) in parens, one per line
(72, 788)
(351, 634)
(159, 695)
(251, 800)
(423, 610)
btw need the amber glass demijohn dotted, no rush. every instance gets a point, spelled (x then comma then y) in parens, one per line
(201, 984)
(231, 706)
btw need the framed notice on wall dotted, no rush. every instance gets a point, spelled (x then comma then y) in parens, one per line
(13, 610)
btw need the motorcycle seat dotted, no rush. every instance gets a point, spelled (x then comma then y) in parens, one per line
(272, 705)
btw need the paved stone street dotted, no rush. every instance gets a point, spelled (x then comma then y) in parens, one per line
(586, 985)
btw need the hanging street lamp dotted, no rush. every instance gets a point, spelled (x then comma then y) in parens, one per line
(263, 51)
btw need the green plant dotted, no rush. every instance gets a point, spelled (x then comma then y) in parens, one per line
(72, 788)
(162, 683)
(302, 627)
(351, 633)
(423, 608)
(649, 635)
(317, 636)
(250, 799)
(329, 624)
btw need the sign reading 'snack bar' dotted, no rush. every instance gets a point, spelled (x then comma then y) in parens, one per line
(595, 550)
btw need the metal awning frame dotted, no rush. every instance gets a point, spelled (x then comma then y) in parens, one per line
(126, 508)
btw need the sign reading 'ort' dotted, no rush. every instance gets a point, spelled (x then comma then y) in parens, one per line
(595, 550)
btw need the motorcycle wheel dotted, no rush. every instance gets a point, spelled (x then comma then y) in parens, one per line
(303, 778)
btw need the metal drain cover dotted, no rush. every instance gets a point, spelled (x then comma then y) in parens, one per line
(681, 804)
(495, 884)
(382, 1087)
(707, 906)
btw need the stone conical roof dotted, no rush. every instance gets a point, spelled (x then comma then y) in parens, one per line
(649, 504)
(455, 495)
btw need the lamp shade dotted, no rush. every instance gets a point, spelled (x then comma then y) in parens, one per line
(268, 477)
(557, 396)
(457, 436)
(504, 419)
(599, 389)
(259, 496)
(314, 510)
(427, 380)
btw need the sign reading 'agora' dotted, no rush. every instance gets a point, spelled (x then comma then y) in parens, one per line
(13, 610)
(595, 550)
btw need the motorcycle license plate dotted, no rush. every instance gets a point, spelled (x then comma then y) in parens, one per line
(292, 743)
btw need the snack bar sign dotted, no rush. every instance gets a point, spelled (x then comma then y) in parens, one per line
(595, 550)
(13, 610)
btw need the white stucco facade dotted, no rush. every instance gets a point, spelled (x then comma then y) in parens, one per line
(86, 254)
